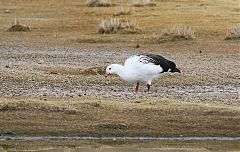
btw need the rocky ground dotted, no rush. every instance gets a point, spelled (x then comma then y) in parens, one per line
(62, 72)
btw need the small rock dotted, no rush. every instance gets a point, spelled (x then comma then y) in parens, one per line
(40, 62)
(7, 11)
(7, 66)
(53, 72)
(9, 133)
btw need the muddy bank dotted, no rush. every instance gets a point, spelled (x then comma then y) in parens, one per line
(119, 146)
(100, 117)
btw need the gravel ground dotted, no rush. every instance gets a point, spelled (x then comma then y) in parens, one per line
(205, 77)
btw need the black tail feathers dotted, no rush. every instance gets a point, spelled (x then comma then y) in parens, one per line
(175, 70)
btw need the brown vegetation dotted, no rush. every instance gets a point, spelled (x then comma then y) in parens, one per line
(233, 33)
(122, 11)
(95, 116)
(177, 33)
(142, 3)
(116, 25)
(18, 28)
(76, 20)
(74, 71)
(98, 3)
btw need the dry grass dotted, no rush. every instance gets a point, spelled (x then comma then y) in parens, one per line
(126, 146)
(176, 33)
(233, 33)
(74, 71)
(99, 3)
(122, 11)
(16, 27)
(62, 20)
(142, 3)
(110, 26)
(95, 116)
(116, 25)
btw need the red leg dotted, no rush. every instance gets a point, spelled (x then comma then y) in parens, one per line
(137, 87)
(148, 87)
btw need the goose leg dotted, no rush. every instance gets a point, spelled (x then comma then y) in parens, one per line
(137, 87)
(148, 87)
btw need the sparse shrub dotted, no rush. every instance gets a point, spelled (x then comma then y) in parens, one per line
(175, 34)
(98, 3)
(16, 27)
(110, 26)
(115, 25)
(233, 33)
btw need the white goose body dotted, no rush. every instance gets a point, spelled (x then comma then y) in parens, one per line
(142, 68)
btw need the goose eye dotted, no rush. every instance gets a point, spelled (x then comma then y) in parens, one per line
(110, 68)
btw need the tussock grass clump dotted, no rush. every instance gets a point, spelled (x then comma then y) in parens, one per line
(233, 33)
(115, 25)
(180, 32)
(110, 26)
(176, 33)
(18, 28)
(99, 3)
(142, 3)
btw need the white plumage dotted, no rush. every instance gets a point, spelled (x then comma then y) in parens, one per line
(142, 68)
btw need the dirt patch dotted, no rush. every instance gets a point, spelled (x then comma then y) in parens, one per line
(74, 71)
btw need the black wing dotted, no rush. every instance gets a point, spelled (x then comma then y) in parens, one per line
(159, 60)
